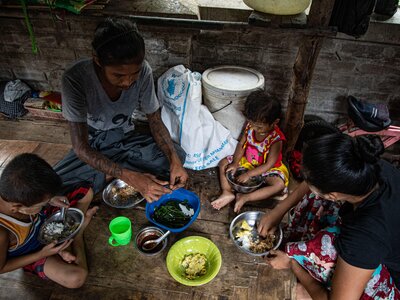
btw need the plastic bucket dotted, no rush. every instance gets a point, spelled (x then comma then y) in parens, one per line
(225, 90)
(281, 7)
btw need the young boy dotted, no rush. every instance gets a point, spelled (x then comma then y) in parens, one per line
(27, 185)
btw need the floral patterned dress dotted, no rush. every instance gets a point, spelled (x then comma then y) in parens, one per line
(310, 237)
(256, 153)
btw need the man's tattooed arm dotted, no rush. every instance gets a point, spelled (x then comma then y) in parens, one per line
(161, 136)
(80, 144)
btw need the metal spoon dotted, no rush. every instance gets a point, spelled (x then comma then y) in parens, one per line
(151, 244)
(63, 213)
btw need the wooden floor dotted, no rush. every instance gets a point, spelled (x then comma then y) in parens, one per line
(123, 273)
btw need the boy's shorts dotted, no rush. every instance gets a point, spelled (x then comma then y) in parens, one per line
(37, 268)
(73, 194)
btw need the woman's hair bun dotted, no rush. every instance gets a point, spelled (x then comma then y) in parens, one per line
(368, 147)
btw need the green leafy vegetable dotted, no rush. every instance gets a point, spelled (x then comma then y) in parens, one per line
(171, 214)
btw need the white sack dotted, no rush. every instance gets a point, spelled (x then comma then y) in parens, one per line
(190, 123)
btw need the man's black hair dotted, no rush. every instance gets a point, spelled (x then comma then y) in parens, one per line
(117, 41)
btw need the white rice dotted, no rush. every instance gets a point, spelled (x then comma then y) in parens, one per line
(54, 228)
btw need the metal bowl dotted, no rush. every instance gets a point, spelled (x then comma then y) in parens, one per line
(150, 233)
(256, 181)
(252, 218)
(111, 197)
(72, 216)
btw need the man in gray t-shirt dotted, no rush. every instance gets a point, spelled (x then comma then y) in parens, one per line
(85, 100)
(99, 96)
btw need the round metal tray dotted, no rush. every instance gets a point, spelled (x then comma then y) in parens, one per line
(72, 215)
(110, 198)
(252, 218)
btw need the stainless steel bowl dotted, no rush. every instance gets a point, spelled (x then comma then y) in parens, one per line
(72, 215)
(110, 197)
(244, 188)
(150, 233)
(252, 218)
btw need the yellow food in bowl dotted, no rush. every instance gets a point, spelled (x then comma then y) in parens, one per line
(194, 248)
(194, 265)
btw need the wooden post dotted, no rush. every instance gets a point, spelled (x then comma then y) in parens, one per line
(303, 70)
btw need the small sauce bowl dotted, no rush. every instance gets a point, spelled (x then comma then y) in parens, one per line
(147, 234)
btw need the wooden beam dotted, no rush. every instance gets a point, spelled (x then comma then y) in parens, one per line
(303, 70)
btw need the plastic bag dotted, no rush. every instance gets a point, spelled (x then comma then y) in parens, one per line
(386, 7)
(15, 90)
(190, 123)
(352, 16)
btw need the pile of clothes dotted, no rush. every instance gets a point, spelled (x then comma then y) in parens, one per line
(13, 94)
(17, 99)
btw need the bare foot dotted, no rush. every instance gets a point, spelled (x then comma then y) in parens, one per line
(67, 256)
(241, 199)
(88, 217)
(223, 200)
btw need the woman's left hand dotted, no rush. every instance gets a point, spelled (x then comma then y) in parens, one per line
(59, 201)
(278, 260)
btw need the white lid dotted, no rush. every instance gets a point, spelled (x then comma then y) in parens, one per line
(233, 78)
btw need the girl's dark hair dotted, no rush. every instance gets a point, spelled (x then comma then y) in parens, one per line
(28, 179)
(117, 41)
(340, 163)
(262, 107)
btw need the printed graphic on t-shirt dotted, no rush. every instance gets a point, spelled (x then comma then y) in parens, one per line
(120, 119)
(95, 119)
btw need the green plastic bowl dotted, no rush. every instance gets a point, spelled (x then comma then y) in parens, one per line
(193, 244)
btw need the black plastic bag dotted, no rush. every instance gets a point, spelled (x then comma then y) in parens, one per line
(352, 16)
(386, 7)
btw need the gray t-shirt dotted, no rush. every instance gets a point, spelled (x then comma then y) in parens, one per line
(84, 99)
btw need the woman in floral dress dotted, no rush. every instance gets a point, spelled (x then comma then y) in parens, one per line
(343, 240)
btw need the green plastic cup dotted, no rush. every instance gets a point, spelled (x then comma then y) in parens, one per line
(121, 231)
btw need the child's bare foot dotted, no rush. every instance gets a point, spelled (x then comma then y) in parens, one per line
(67, 256)
(241, 199)
(223, 200)
(88, 217)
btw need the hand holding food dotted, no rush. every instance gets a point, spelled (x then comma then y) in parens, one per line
(178, 177)
(232, 167)
(268, 224)
(249, 239)
(243, 178)
(148, 185)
